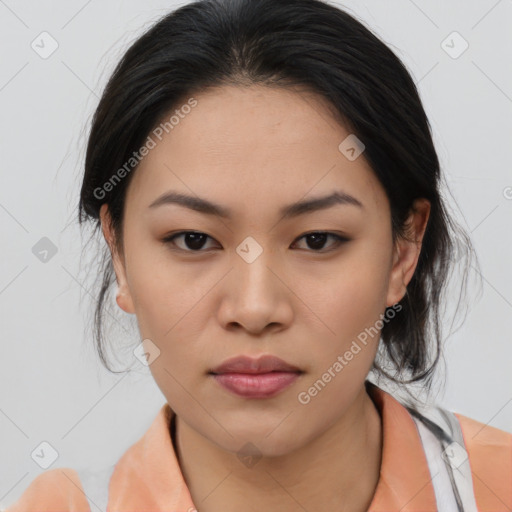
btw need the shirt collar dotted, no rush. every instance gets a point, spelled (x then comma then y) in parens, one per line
(404, 483)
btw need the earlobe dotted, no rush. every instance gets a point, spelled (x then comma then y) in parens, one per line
(407, 251)
(125, 302)
(123, 296)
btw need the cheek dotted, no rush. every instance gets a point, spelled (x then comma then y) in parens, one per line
(351, 291)
(349, 299)
(173, 306)
(163, 292)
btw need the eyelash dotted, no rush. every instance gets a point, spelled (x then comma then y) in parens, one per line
(339, 240)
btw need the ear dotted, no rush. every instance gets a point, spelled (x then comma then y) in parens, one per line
(123, 298)
(407, 252)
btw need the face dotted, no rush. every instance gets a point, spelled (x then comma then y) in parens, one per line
(303, 286)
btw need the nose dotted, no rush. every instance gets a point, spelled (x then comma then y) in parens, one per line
(255, 296)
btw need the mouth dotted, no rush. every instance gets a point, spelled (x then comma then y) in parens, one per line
(250, 377)
(256, 385)
(249, 372)
(250, 365)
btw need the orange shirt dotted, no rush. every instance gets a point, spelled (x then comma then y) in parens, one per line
(148, 476)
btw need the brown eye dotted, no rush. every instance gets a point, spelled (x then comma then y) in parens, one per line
(192, 241)
(316, 240)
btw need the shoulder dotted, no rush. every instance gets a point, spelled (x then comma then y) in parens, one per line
(56, 489)
(481, 437)
(489, 450)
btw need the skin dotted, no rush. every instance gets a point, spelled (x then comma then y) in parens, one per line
(254, 150)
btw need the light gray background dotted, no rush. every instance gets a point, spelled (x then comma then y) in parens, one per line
(52, 385)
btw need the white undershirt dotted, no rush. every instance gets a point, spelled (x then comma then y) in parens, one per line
(438, 470)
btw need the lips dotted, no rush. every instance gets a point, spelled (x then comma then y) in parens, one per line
(249, 365)
(251, 378)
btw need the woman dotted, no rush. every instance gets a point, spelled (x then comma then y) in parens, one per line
(264, 176)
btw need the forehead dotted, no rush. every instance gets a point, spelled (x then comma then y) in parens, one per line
(246, 146)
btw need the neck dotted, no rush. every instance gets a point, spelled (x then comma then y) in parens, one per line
(338, 470)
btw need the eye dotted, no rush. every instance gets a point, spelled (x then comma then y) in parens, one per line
(317, 240)
(193, 240)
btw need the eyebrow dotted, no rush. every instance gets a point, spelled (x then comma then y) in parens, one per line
(293, 210)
